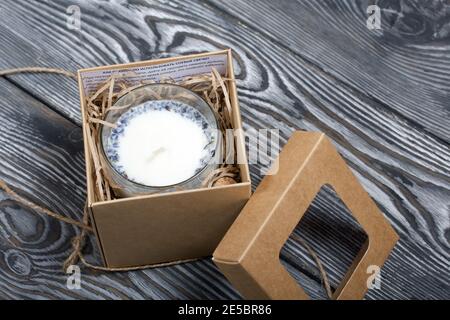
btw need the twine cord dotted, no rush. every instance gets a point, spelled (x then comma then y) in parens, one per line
(7, 72)
(78, 241)
(316, 259)
(36, 207)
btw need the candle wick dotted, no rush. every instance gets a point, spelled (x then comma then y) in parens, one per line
(155, 153)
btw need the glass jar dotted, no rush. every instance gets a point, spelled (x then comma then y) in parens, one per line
(165, 97)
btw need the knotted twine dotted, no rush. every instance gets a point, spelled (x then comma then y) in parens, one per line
(79, 240)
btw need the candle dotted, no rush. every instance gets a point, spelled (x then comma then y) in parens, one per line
(164, 137)
(160, 143)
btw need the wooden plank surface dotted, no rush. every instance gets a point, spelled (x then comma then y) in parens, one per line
(400, 153)
(405, 66)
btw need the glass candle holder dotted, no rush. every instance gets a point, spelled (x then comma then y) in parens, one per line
(165, 138)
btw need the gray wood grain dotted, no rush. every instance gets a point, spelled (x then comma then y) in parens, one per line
(405, 66)
(401, 159)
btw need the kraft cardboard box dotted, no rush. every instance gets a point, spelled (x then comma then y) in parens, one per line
(172, 226)
(249, 253)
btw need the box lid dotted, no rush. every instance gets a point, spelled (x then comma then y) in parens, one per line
(249, 253)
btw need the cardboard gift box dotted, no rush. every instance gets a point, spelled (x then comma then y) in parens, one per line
(171, 226)
(245, 244)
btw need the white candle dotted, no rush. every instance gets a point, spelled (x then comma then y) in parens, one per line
(160, 143)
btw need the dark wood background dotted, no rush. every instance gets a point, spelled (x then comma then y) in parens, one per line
(382, 96)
